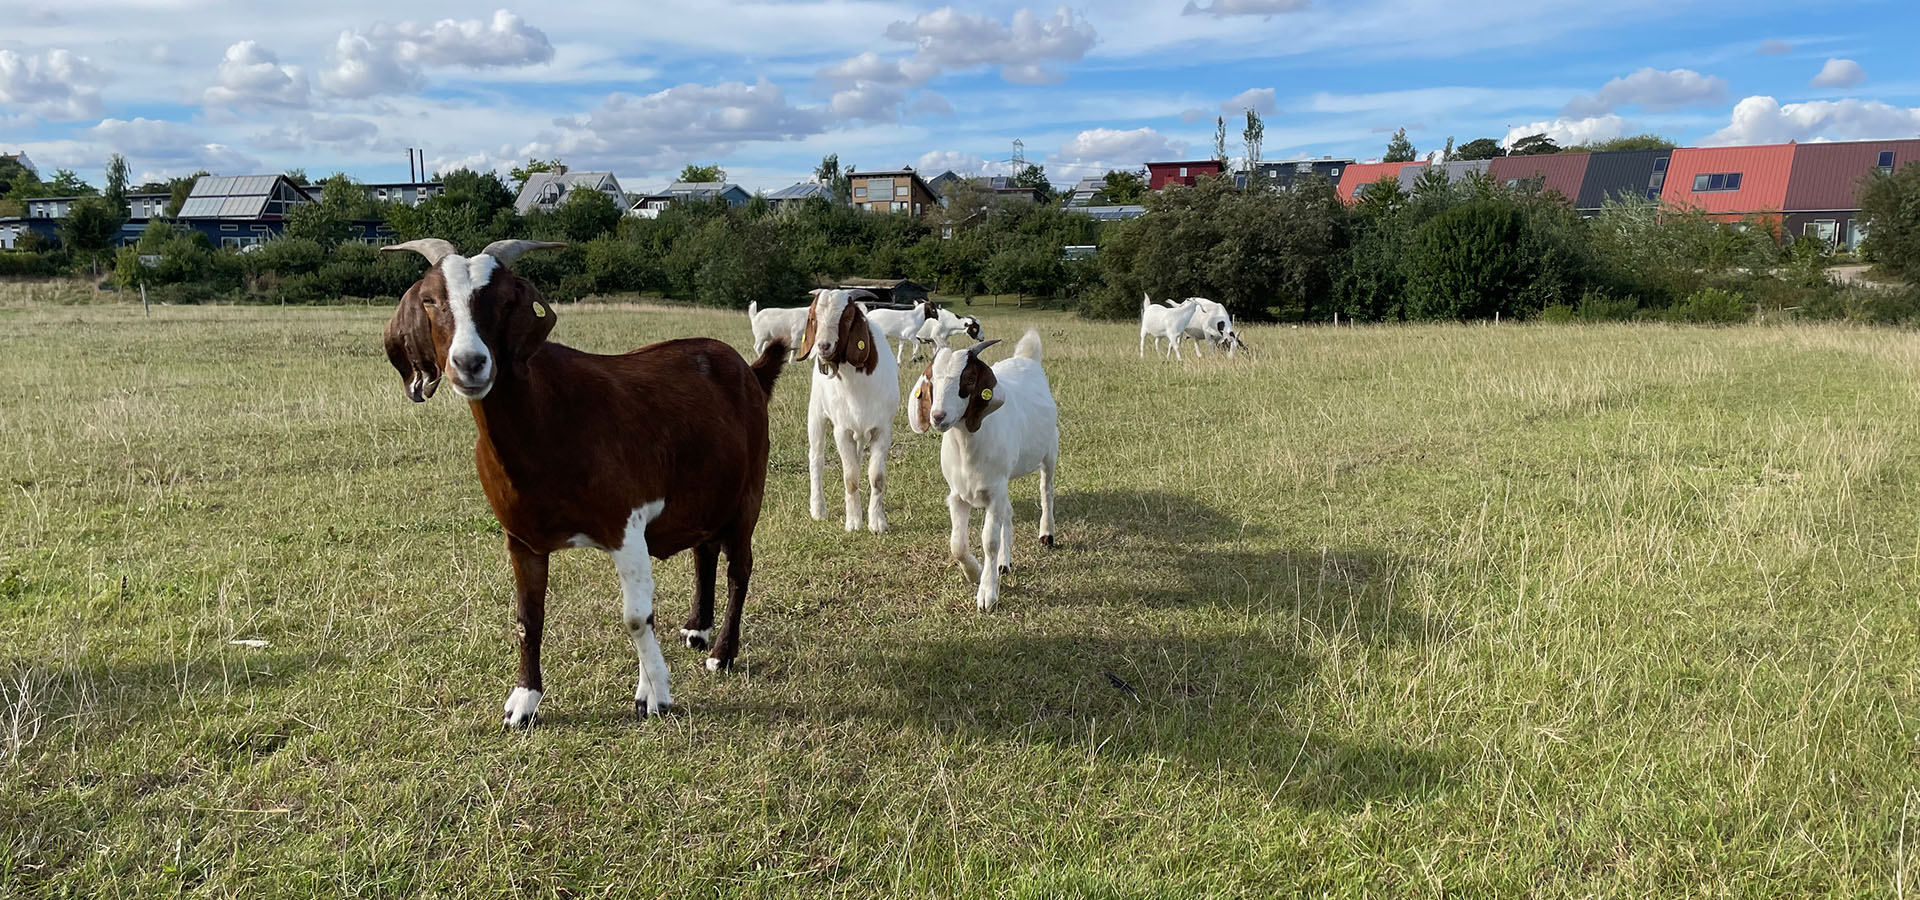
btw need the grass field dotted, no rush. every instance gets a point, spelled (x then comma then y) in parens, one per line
(1473, 611)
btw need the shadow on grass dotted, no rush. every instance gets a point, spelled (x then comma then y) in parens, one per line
(1187, 554)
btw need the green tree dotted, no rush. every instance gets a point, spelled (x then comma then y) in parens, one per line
(1251, 137)
(1631, 142)
(1035, 177)
(696, 173)
(1480, 148)
(1399, 149)
(829, 173)
(16, 182)
(1446, 155)
(116, 193)
(67, 184)
(1534, 145)
(472, 210)
(519, 174)
(1220, 140)
(1121, 188)
(298, 176)
(1381, 198)
(586, 214)
(1468, 263)
(90, 225)
(1890, 207)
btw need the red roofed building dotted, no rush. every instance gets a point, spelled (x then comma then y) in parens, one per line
(1730, 182)
(1823, 193)
(1161, 174)
(1357, 177)
(1560, 172)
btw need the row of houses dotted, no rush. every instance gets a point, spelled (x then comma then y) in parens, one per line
(232, 211)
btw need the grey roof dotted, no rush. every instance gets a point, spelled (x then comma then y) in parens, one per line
(538, 182)
(1110, 213)
(801, 191)
(1455, 170)
(240, 197)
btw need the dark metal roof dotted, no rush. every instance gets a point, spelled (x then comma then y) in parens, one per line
(1827, 177)
(1562, 172)
(1619, 174)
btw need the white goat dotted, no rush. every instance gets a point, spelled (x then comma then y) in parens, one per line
(1009, 428)
(899, 325)
(776, 323)
(856, 388)
(1210, 325)
(1164, 323)
(937, 331)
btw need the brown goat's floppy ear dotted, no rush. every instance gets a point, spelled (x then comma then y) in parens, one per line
(856, 340)
(813, 326)
(409, 340)
(977, 383)
(528, 324)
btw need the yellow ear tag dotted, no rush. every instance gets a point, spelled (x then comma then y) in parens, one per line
(861, 345)
(986, 393)
(539, 310)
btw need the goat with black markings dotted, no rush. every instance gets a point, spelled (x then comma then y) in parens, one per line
(643, 454)
(997, 423)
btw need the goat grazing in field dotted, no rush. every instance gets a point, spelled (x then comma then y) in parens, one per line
(1211, 325)
(899, 325)
(776, 323)
(1007, 428)
(938, 330)
(643, 454)
(856, 389)
(1164, 323)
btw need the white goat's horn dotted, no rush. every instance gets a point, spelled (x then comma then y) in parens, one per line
(507, 251)
(434, 249)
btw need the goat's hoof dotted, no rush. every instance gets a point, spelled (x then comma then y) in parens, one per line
(715, 663)
(1046, 540)
(642, 710)
(522, 709)
(985, 603)
(696, 638)
(1005, 569)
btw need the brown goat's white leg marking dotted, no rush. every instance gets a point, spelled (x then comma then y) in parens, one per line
(817, 426)
(650, 694)
(877, 478)
(849, 446)
(530, 617)
(961, 549)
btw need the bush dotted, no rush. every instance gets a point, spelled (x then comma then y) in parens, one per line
(1712, 307)
(1599, 306)
(1467, 263)
(1558, 313)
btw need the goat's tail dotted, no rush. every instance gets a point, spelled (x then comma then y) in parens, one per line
(1029, 346)
(753, 308)
(767, 367)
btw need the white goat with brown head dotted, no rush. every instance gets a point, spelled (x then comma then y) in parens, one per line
(856, 390)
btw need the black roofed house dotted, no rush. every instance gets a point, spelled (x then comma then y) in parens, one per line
(1618, 175)
(797, 194)
(898, 291)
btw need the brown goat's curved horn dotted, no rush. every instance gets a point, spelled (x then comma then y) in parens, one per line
(974, 351)
(434, 249)
(508, 251)
(857, 293)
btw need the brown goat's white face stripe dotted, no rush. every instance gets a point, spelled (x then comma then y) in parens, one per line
(468, 360)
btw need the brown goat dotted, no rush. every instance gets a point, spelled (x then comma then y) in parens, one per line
(643, 454)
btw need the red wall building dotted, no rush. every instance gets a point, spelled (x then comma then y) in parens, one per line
(1161, 174)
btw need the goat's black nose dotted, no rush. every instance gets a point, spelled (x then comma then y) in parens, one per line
(468, 363)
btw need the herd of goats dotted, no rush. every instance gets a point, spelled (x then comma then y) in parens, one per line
(664, 449)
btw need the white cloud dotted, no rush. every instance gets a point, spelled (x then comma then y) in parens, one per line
(56, 84)
(169, 146)
(929, 103)
(1107, 148)
(968, 164)
(392, 58)
(1569, 131)
(302, 135)
(251, 75)
(698, 117)
(1775, 47)
(868, 102)
(1840, 73)
(1651, 89)
(1024, 48)
(1260, 100)
(1222, 8)
(1194, 114)
(1762, 120)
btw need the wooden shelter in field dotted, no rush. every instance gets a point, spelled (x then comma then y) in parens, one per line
(898, 291)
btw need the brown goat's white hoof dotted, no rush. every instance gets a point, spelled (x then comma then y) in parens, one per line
(715, 664)
(698, 639)
(522, 708)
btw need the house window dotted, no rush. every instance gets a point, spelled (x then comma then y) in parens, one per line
(1333, 173)
(1183, 171)
(1302, 168)
(229, 228)
(900, 191)
(880, 187)
(1886, 162)
(899, 207)
(860, 193)
(1716, 181)
(1653, 193)
(1824, 229)
(1660, 165)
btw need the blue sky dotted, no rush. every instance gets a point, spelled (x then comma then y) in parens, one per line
(766, 88)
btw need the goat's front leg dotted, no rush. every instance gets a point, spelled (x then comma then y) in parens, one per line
(530, 619)
(650, 693)
(849, 446)
(816, 462)
(957, 545)
(1046, 498)
(877, 478)
(1174, 342)
(993, 534)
